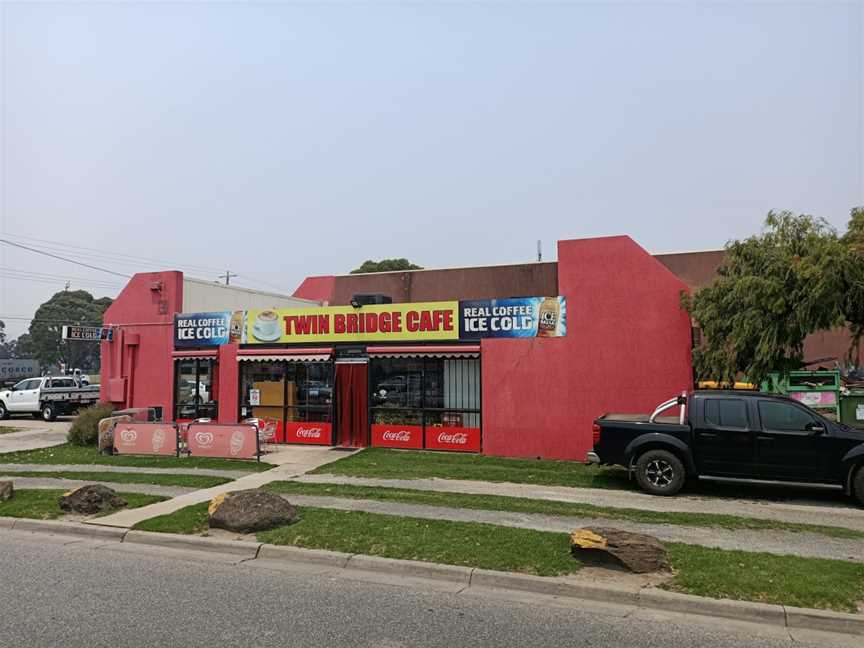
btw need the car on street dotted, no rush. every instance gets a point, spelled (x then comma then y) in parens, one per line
(47, 397)
(731, 435)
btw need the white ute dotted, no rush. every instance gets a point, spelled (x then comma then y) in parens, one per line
(47, 397)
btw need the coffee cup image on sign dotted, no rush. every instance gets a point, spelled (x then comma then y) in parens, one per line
(266, 326)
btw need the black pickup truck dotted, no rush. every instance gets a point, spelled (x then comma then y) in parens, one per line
(731, 435)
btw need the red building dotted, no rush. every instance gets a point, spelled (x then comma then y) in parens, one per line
(422, 372)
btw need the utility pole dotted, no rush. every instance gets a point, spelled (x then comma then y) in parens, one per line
(539, 251)
(227, 277)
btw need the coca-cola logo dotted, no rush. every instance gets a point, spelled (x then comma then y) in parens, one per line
(128, 436)
(204, 439)
(453, 438)
(309, 433)
(401, 435)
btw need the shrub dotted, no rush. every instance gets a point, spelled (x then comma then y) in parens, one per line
(84, 430)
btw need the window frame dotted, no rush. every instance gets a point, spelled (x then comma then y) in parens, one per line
(197, 406)
(425, 412)
(719, 425)
(794, 405)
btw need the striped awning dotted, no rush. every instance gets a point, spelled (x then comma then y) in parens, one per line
(456, 351)
(281, 357)
(285, 355)
(195, 355)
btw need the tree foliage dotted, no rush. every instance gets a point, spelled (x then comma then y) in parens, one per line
(67, 307)
(385, 265)
(772, 291)
(852, 303)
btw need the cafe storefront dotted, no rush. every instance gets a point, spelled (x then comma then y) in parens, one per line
(389, 375)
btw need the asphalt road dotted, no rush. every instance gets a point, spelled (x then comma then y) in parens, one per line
(53, 593)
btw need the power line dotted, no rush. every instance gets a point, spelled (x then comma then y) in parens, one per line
(48, 275)
(56, 256)
(109, 254)
(119, 259)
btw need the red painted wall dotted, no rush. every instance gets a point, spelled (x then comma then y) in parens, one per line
(228, 394)
(627, 349)
(317, 288)
(137, 367)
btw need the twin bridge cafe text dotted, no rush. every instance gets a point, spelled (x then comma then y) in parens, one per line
(424, 321)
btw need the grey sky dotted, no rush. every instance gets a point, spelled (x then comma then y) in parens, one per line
(286, 140)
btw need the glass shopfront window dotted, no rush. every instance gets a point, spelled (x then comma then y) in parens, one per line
(425, 402)
(291, 393)
(195, 389)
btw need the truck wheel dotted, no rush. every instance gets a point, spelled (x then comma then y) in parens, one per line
(660, 472)
(4, 413)
(49, 413)
(858, 484)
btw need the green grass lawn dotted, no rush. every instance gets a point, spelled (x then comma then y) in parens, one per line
(39, 504)
(190, 481)
(453, 543)
(715, 573)
(404, 464)
(74, 454)
(784, 580)
(546, 507)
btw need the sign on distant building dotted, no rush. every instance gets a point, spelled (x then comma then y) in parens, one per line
(14, 369)
(88, 333)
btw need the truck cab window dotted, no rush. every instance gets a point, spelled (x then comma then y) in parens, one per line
(726, 412)
(784, 417)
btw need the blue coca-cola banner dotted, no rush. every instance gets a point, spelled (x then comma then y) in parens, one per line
(519, 317)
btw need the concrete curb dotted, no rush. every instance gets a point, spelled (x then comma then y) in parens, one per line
(319, 557)
(58, 527)
(555, 587)
(469, 578)
(657, 599)
(808, 619)
(193, 543)
(411, 569)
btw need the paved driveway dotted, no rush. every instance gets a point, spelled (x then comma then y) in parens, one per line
(35, 434)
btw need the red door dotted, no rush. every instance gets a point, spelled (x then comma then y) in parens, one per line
(352, 404)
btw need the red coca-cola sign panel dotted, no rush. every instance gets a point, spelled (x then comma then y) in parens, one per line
(309, 432)
(238, 441)
(457, 439)
(397, 436)
(145, 438)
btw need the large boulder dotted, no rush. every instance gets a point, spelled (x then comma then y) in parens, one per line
(6, 490)
(91, 499)
(249, 511)
(640, 553)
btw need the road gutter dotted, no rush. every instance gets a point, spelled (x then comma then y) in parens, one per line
(466, 578)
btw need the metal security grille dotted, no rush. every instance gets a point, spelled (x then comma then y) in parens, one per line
(425, 391)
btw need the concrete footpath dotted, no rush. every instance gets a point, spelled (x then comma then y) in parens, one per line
(290, 462)
(802, 512)
(68, 484)
(36, 435)
(454, 580)
(10, 469)
(783, 543)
